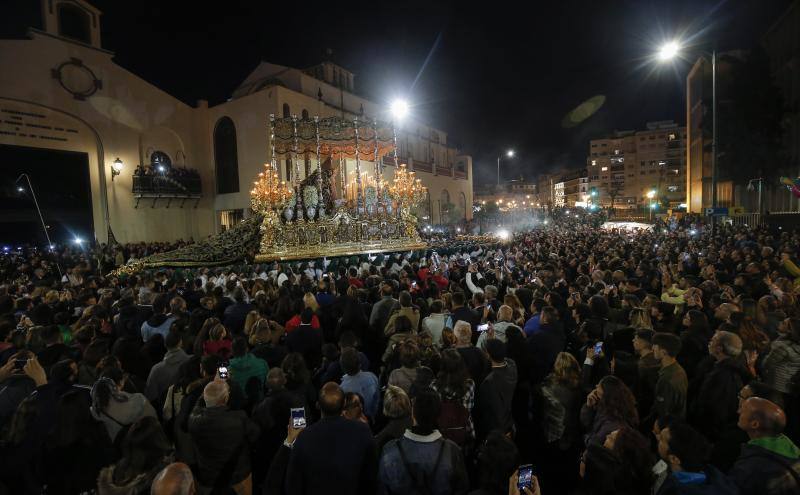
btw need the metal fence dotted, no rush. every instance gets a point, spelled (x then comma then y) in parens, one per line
(167, 186)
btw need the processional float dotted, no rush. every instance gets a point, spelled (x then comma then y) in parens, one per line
(325, 213)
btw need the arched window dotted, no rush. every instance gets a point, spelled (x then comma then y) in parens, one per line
(287, 112)
(160, 161)
(305, 114)
(73, 23)
(225, 156)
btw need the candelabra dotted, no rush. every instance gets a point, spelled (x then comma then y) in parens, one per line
(269, 192)
(406, 189)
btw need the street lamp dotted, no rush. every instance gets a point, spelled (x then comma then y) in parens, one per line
(509, 154)
(669, 51)
(38, 210)
(399, 109)
(650, 195)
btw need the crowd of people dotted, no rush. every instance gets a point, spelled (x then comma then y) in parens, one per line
(570, 359)
(165, 169)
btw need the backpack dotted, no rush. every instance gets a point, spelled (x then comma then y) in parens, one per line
(454, 422)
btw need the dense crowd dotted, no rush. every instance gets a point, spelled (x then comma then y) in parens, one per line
(569, 360)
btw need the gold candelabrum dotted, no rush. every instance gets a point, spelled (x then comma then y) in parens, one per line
(406, 189)
(270, 193)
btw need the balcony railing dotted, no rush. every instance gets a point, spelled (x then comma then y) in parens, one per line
(159, 186)
(444, 169)
(423, 166)
(460, 174)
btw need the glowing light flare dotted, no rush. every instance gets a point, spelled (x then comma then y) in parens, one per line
(668, 51)
(399, 109)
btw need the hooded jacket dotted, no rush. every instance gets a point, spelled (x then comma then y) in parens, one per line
(769, 465)
(123, 409)
(159, 323)
(164, 374)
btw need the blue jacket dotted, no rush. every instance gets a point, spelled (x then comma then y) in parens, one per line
(366, 384)
(709, 482)
(421, 452)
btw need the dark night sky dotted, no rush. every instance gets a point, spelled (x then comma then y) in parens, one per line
(493, 75)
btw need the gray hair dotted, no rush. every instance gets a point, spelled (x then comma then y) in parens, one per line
(216, 393)
(463, 332)
(491, 291)
(730, 342)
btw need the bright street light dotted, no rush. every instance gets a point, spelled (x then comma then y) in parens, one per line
(510, 153)
(668, 51)
(399, 109)
(651, 194)
(20, 189)
(78, 240)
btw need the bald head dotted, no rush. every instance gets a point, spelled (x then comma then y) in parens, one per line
(175, 479)
(725, 310)
(331, 399)
(761, 418)
(216, 393)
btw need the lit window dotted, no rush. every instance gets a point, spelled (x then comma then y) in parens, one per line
(672, 188)
(604, 169)
(594, 162)
(616, 152)
(672, 137)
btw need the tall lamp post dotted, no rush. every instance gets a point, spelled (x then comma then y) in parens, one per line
(39, 211)
(509, 154)
(668, 52)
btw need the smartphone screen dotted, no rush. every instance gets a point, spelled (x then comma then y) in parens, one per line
(223, 372)
(483, 328)
(298, 417)
(525, 476)
(598, 347)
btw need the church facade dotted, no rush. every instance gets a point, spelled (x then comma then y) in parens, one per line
(60, 90)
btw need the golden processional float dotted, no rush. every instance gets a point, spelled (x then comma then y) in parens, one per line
(327, 212)
(330, 212)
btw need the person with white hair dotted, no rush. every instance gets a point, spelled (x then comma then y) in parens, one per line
(714, 410)
(474, 358)
(222, 440)
(505, 317)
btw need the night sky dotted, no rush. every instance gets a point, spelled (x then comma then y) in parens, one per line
(492, 74)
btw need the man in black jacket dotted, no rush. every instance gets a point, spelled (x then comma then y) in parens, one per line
(545, 344)
(769, 463)
(334, 455)
(222, 441)
(493, 404)
(306, 340)
(714, 410)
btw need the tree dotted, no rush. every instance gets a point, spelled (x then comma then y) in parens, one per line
(614, 193)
